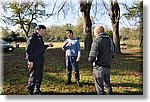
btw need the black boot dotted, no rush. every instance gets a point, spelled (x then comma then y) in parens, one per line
(68, 82)
(30, 92)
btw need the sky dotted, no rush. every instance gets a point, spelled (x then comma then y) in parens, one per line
(73, 14)
(104, 20)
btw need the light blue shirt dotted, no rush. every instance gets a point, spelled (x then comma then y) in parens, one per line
(72, 48)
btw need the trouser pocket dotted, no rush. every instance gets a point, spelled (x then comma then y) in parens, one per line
(98, 72)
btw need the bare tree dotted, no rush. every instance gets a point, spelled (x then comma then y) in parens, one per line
(85, 6)
(114, 14)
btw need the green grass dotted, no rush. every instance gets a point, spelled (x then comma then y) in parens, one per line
(126, 74)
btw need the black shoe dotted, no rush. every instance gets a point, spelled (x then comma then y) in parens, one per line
(38, 91)
(30, 92)
(67, 83)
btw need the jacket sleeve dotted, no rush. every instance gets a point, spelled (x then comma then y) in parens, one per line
(94, 52)
(65, 47)
(46, 46)
(31, 43)
(112, 48)
(78, 49)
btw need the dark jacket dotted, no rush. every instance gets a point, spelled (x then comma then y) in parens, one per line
(101, 53)
(35, 48)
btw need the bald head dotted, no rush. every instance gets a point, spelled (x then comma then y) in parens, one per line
(98, 29)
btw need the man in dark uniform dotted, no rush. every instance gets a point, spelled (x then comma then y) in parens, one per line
(35, 55)
(101, 54)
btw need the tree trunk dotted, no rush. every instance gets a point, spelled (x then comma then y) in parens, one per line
(141, 34)
(115, 17)
(87, 24)
(141, 42)
(141, 24)
(116, 38)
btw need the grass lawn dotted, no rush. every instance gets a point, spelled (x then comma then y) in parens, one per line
(126, 74)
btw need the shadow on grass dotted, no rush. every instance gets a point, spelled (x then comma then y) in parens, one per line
(128, 92)
(93, 93)
(55, 93)
(128, 85)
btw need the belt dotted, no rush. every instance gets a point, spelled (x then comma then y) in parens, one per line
(105, 66)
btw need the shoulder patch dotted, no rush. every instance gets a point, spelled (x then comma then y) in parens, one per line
(30, 37)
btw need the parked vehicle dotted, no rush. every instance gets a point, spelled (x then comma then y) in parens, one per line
(6, 46)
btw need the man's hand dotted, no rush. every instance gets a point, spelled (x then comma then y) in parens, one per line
(65, 43)
(78, 59)
(30, 65)
(50, 45)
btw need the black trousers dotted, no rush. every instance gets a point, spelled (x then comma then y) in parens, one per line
(35, 75)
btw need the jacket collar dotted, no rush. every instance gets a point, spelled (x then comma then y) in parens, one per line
(38, 34)
(102, 35)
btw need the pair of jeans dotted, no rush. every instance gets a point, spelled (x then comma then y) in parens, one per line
(101, 76)
(72, 63)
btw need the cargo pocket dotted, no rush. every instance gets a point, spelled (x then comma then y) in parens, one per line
(98, 72)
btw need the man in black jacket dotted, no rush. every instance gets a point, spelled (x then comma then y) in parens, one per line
(101, 57)
(35, 55)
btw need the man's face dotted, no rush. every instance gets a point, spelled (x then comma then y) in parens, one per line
(95, 32)
(68, 34)
(42, 32)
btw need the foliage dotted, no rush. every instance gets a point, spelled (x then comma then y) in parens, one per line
(126, 74)
(4, 32)
(54, 33)
(23, 13)
(135, 12)
(58, 33)
(129, 36)
(109, 32)
(14, 37)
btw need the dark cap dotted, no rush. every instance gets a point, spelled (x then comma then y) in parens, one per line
(38, 27)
